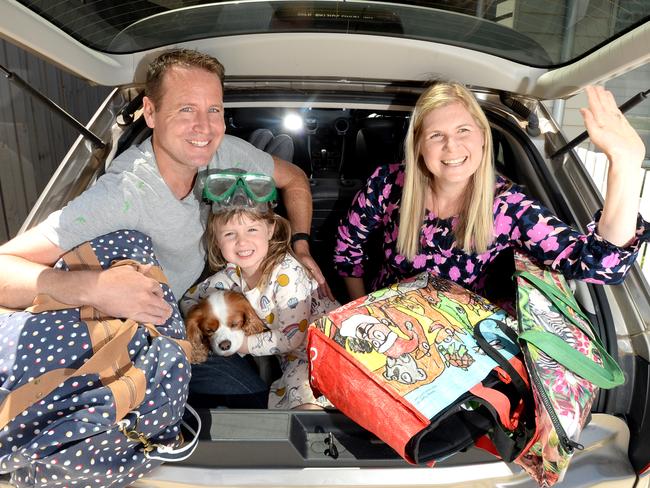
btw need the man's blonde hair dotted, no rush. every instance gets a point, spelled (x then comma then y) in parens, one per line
(475, 229)
(279, 244)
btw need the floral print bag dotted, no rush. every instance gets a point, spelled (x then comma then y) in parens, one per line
(567, 364)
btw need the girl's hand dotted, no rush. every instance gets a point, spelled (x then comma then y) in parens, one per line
(610, 131)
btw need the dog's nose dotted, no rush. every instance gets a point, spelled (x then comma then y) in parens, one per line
(224, 345)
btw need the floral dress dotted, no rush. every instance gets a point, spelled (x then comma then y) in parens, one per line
(519, 221)
(287, 304)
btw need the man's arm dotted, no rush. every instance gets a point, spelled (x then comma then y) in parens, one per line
(26, 264)
(296, 195)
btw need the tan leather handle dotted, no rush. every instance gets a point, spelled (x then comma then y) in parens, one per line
(100, 363)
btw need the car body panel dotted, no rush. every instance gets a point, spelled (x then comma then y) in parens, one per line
(319, 55)
(605, 438)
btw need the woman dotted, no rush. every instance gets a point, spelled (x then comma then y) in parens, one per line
(445, 211)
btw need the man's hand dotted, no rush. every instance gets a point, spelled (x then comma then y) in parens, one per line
(301, 250)
(124, 292)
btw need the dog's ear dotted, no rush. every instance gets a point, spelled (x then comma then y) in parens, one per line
(252, 324)
(193, 325)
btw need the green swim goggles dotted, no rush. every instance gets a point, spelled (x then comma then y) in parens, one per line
(234, 188)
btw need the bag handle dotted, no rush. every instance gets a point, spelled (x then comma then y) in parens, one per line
(24, 396)
(519, 382)
(563, 302)
(606, 376)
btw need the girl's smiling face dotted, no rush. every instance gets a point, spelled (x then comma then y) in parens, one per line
(244, 241)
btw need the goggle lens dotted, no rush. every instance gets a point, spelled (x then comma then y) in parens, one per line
(221, 187)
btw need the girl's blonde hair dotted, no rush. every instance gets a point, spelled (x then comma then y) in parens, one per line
(475, 228)
(279, 244)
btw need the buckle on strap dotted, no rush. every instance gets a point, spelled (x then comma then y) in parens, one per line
(159, 451)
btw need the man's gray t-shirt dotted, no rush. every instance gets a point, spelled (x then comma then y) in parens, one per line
(133, 195)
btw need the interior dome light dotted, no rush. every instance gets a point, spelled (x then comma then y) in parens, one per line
(293, 122)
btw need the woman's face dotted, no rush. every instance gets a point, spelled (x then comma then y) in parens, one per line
(451, 144)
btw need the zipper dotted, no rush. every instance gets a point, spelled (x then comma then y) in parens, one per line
(567, 444)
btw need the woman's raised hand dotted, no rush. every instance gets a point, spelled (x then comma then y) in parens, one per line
(610, 131)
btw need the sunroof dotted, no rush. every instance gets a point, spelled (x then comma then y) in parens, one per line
(531, 32)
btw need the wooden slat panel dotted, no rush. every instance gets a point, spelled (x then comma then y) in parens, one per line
(33, 140)
(15, 207)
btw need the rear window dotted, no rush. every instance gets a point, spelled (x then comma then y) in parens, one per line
(535, 33)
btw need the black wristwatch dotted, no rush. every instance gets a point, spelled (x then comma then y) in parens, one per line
(299, 236)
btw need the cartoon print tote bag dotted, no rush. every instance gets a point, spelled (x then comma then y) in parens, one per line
(404, 362)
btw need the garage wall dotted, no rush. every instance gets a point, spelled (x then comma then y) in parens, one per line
(33, 140)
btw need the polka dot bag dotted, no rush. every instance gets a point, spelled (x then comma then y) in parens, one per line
(88, 400)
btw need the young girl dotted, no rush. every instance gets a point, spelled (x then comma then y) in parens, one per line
(252, 242)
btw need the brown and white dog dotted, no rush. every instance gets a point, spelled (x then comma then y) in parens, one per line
(220, 322)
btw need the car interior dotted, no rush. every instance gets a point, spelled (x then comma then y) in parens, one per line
(338, 148)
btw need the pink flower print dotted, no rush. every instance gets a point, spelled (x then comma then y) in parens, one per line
(582, 343)
(341, 246)
(399, 258)
(515, 198)
(469, 267)
(420, 261)
(611, 260)
(439, 258)
(399, 181)
(550, 244)
(484, 258)
(355, 220)
(516, 234)
(344, 233)
(386, 190)
(454, 273)
(428, 232)
(502, 224)
(539, 231)
(362, 200)
(390, 208)
(595, 281)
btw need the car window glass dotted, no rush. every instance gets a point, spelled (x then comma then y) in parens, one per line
(528, 31)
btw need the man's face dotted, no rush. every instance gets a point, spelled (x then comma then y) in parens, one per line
(188, 120)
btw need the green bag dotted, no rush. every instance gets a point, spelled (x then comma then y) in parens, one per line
(567, 363)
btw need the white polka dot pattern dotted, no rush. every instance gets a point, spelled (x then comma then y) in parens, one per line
(69, 438)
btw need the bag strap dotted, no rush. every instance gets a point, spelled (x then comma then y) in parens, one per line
(608, 375)
(563, 302)
(519, 382)
(100, 363)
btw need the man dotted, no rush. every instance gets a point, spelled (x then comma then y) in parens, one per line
(150, 188)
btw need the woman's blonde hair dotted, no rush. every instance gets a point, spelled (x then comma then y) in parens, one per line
(279, 244)
(475, 228)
